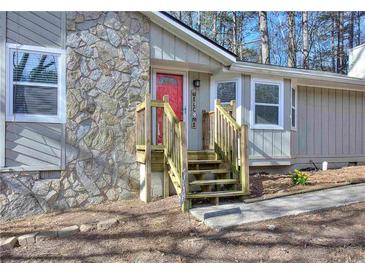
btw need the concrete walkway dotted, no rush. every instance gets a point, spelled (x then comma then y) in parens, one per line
(223, 216)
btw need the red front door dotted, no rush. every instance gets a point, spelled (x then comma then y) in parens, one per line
(172, 86)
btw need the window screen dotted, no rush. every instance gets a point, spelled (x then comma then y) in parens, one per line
(226, 91)
(267, 104)
(35, 82)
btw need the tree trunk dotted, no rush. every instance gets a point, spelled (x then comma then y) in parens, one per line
(351, 29)
(234, 32)
(358, 28)
(305, 40)
(340, 50)
(241, 36)
(222, 28)
(333, 46)
(265, 47)
(200, 21)
(215, 32)
(291, 42)
(190, 18)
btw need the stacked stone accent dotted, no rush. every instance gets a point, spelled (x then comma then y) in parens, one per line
(108, 60)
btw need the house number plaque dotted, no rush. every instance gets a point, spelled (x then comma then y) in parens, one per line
(194, 116)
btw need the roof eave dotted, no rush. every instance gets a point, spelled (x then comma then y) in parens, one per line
(192, 38)
(294, 73)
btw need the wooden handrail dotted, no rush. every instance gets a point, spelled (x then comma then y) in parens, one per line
(174, 146)
(230, 142)
(174, 140)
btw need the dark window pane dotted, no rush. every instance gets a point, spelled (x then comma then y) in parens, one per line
(266, 93)
(268, 115)
(293, 117)
(34, 67)
(226, 91)
(35, 100)
(293, 97)
(165, 80)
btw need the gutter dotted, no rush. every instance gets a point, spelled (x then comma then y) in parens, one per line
(245, 67)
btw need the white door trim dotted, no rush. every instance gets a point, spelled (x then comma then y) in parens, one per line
(156, 70)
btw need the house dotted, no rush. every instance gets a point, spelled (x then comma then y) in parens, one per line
(71, 82)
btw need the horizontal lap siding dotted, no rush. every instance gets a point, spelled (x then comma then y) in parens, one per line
(166, 46)
(35, 28)
(331, 123)
(35, 144)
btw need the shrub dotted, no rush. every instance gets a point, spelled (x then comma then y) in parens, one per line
(299, 178)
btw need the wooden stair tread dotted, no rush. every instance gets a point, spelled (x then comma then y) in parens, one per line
(214, 194)
(205, 161)
(213, 182)
(201, 155)
(209, 171)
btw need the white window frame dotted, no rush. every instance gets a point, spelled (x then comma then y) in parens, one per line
(295, 87)
(222, 78)
(61, 85)
(279, 83)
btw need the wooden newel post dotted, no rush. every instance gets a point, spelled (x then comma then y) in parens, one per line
(148, 135)
(166, 180)
(217, 102)
(244, 172)
(184, 165)
(233, 108)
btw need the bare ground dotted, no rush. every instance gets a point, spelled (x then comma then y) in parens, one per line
(268, 185)
(160, 232)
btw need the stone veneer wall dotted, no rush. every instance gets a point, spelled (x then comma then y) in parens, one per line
(107, 75)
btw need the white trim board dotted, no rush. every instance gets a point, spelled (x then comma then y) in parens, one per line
(280, 83)
(2, 86)
(285, 72)
(185, 75)
(61, 92)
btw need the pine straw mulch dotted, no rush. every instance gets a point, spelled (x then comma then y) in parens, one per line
(271, 185)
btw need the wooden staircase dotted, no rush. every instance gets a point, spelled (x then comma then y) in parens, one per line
(220, 172)
(210, 178)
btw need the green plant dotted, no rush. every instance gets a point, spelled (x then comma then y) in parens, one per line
(299, 178)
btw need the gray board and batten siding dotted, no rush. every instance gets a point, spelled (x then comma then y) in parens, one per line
(195, 135)
(331, 125)
(167, 47)
(267, 146)
(36, 145)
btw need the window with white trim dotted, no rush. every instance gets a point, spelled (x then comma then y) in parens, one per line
(226, 91)
(267, 104)
(35, 84)
(293, 108)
